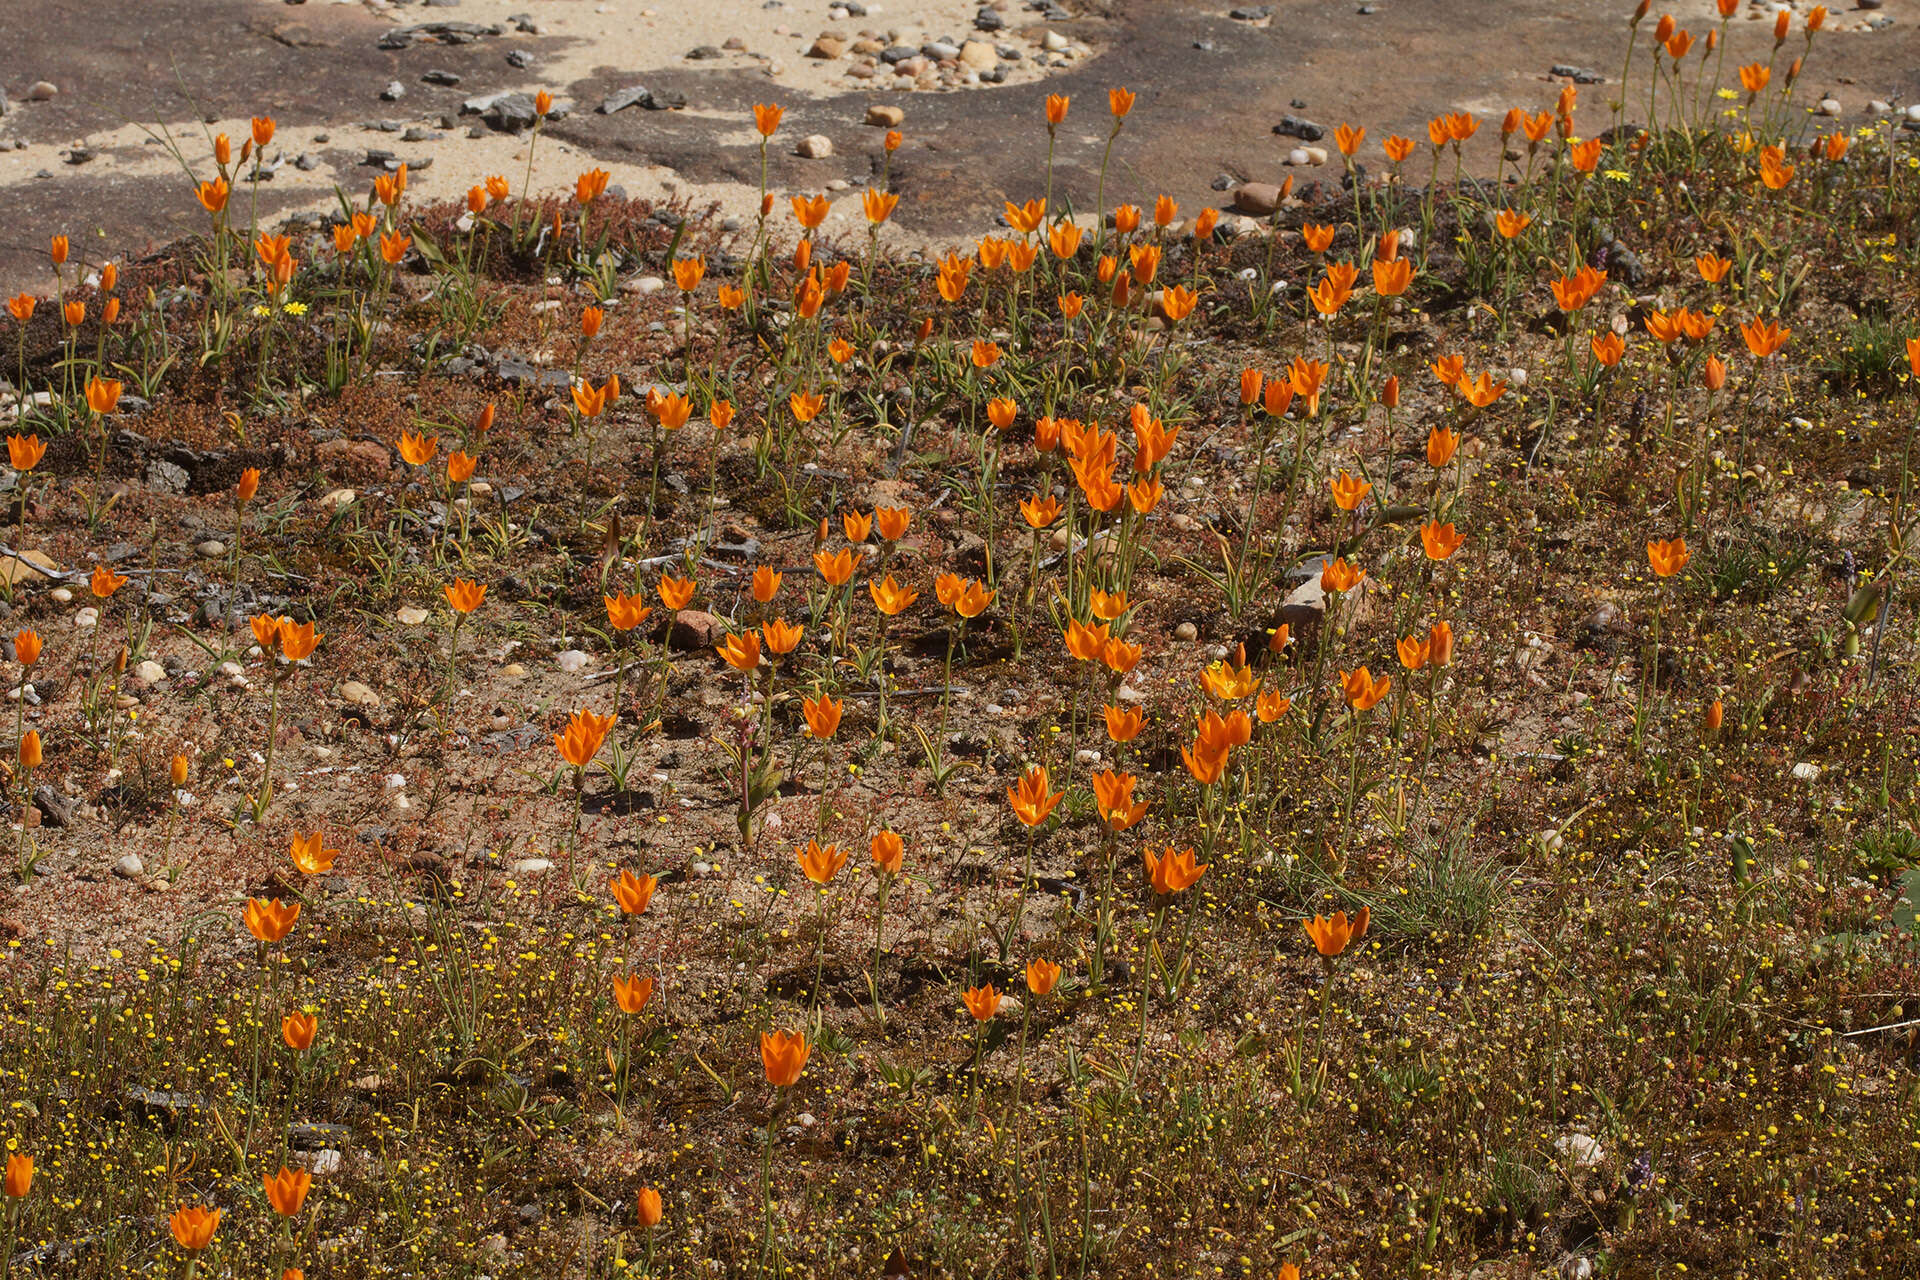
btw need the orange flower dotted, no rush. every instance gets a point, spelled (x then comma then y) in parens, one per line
(1318, 236)
(591, 185)
(784, 1056)
(1042, 975)
(1511, 222)
(766, 118)
(19, 1175)
(297, 1030)
(631, 993)
(287, 1190)
(1440, 644)
(31, 753)
(57, 249)
(1441, 444)
(465, 596)
(1713, 269)
(676, 593)
(1307, 377)
(1348, 139)
(1173, 872)
(1271, 705)
(888, 851)
(25, 452)
(1362, 690)
(741, 650)
(1414, 651)
(418, 450)
(542, 103)
(1585, 156)
(810, 211)
(1668, 558)
(781, 636)
(982, 1002)
(1124, 725)
(1063, 237)
(806, 406)
(105, 581)
(1084, 642)
(1178, 303)
(889, 597)
(310, 857)
(26, 647)
(269, 921)
(821, 865)
(21, 305)
(1338, 575)
(632, 892)
(822, 715)
(878, 205)
(193, 1228)
(581, 741)
(837, 569)
(1440, 540)
(1333, 934)
(1397, 148)
(893, 522)
(1031, 801)
(1349, 491)
(1754, 76)
(1608, 348)
(1113, 794)
(1039, 512)
(1119, 101)
(1713, 374)
(1764, 338)
(1392, 276)
(103, 395)
(296, 642)
(1001, 412)
(213, 195)
(394, 246)
(1057, 109)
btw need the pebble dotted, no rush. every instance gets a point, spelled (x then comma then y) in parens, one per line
(1086, 755)
(1053, 42)
(42, 90)
(644, 286)
(61, 595)
(212, 548)
(1257, 198)
(411, 615)
(359, 694)
(1297, 156)
(816, 146)
(336, 499)
(393, 92)
(129, 867)
(572, 661)
(978, 54)
(150, 671)
(87, 618)
(1805, 772)
(1186, 632)
(1913, 111)
(827, 46)
(1830, 106)
(531, 866)
(513, 671)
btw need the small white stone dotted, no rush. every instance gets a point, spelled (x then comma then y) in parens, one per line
(395, 781)
(1297, 156)
(87, 618)
(531, 866)
(410, 615)
(815, 146)
(359, 694)
(572, 661)
(150, 671)
(337, 498)
(1805, 772)
(1186, 633)
(1316, 155)
(130, 867)
(1830, 106)
(1517, 376)
(61, 595)
(212, 548)
(1054, 42)
(513, 671)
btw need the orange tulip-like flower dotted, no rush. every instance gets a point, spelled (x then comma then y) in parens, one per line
(1173, 871)
(75, 313)
(1391, 277)
(676, 593)
(103, 395)
(296, 641)
(878, 205)
(193, 1228)
(25, 452)
(1397, 148)
(1338, 575)
(465, 596)
(1714, 717)
(57, 249)
(21, 306)
(1584, 156)
(1120, 101)
(1441, 444)
(1608, 348)
(394, 246)
(1124, 723)
(418, 450)
(822, 715)
(806, 405)
(581, 741)
(1042, 976)
(766, 118)
(647, 1207)
(1178, 303)
(625, 612)
(1057, 104)
(1349, 491)
(26, 647)
(1440, 644)
(1712, 268)
(1039, 512)
(889, 597)
(1362, 690)
(720, 414)
(19, 1175)
(632, 992)
(1206, 766)
(837, 569)
(1754, 76)
(287, 1190)
(1775, 172)
(1668, 558)
(632, 893)
(1440, 540)
(31, 752)
(810, 211)
(1764, 338)
(1414, 651)
(247, 486)
(1333, 934)
(1063, 238)
(213, 195)
(105, 581)
(893, 522)
(1511, 222)
(269, 921)
(821, 865)
(1713, 374)
(591, 185)
(1031, 800)
(784, 1056)
(591, 318)
(982, 1002)
(889, 851)
(1271, 705)
(741, 650)
(1307, 377)
(309, 855)
(1481, 390)
(297, 1030)
(1113, 794)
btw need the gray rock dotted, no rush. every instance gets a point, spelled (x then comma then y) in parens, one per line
(898, 53)
(988, 19)
(703, 53)
(519, 58)
(1251, 13)
(445, 78)
(165, 477)
(1297, 127)
(633, 95)
(393, 92)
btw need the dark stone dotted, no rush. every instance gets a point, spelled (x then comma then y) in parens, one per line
(1298, 127)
